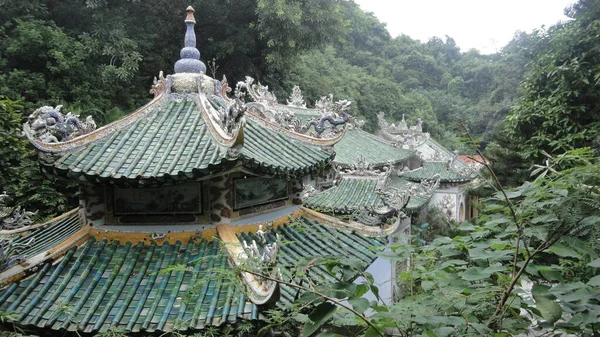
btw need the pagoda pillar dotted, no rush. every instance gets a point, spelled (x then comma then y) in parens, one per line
(220, 208)
(297, 188)
(93, 202)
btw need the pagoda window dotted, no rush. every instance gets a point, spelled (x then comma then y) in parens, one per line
(164, 200)
(253, 191)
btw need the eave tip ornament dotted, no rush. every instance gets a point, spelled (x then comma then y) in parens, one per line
(190, 55)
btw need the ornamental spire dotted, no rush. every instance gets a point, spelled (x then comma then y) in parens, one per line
(190, 55)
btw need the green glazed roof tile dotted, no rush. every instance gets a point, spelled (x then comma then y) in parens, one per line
(349, 195)
(173, 139)
(99, 284)
(430, 169)
(376, 151)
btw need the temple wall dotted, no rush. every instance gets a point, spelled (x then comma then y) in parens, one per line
(452, 201)
(208, 202)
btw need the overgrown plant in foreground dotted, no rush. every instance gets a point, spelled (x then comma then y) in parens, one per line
(530, 262)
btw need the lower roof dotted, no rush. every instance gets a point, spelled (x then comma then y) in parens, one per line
(129, 286)
(354, 194)
(431, 169)
(350, 195)
(377, 152)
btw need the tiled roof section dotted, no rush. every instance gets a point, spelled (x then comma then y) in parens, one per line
(430, 169)
(349, 195)
(103, 284)
(274, 152)
(304, 240)
(377, 151)
(167, 141)
(175, 141)
(416, 202)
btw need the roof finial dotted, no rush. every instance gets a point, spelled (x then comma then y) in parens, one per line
(190, 55)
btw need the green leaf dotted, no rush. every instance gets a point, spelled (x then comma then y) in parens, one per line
(443, 331)
(371, 333)
(359, 304)
(474, 274)
(360, 290)
(563, 251)
(595, 263)
(546, 303)
(329, 334)
(594, 281)
(466, 226)
(321, 314)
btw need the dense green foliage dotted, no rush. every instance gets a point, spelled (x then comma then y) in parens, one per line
(560, 107)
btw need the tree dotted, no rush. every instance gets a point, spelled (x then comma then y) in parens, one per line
(560, 108)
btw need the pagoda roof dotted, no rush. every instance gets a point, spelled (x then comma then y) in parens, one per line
(170, 139)
(416, 202)
(102, 284)
(350, 195)
(377, 151)
(354, 193)
(429, 169)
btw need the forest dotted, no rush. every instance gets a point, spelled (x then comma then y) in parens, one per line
(536, 101)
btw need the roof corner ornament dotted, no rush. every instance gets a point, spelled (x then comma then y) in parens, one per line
(13, 217)
(258, 93)
(159, 85)
(393, 200)
(334, 114)
(49, 125)
(263, 266)
(296, 99)
(10, 252)
(190, 55)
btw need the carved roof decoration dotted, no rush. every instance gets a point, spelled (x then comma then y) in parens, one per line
(322, 125)
(296, 99)
(402, 135)
(12, 218)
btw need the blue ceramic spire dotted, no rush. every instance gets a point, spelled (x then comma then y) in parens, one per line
(190, 55)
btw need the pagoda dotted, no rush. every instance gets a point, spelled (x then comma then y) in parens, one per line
(195, 181)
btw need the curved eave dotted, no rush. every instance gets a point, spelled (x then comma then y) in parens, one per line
(442, 180)
(178, 176)
(209, 114)
(280, 171)
(298, 136)
(95, 135)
